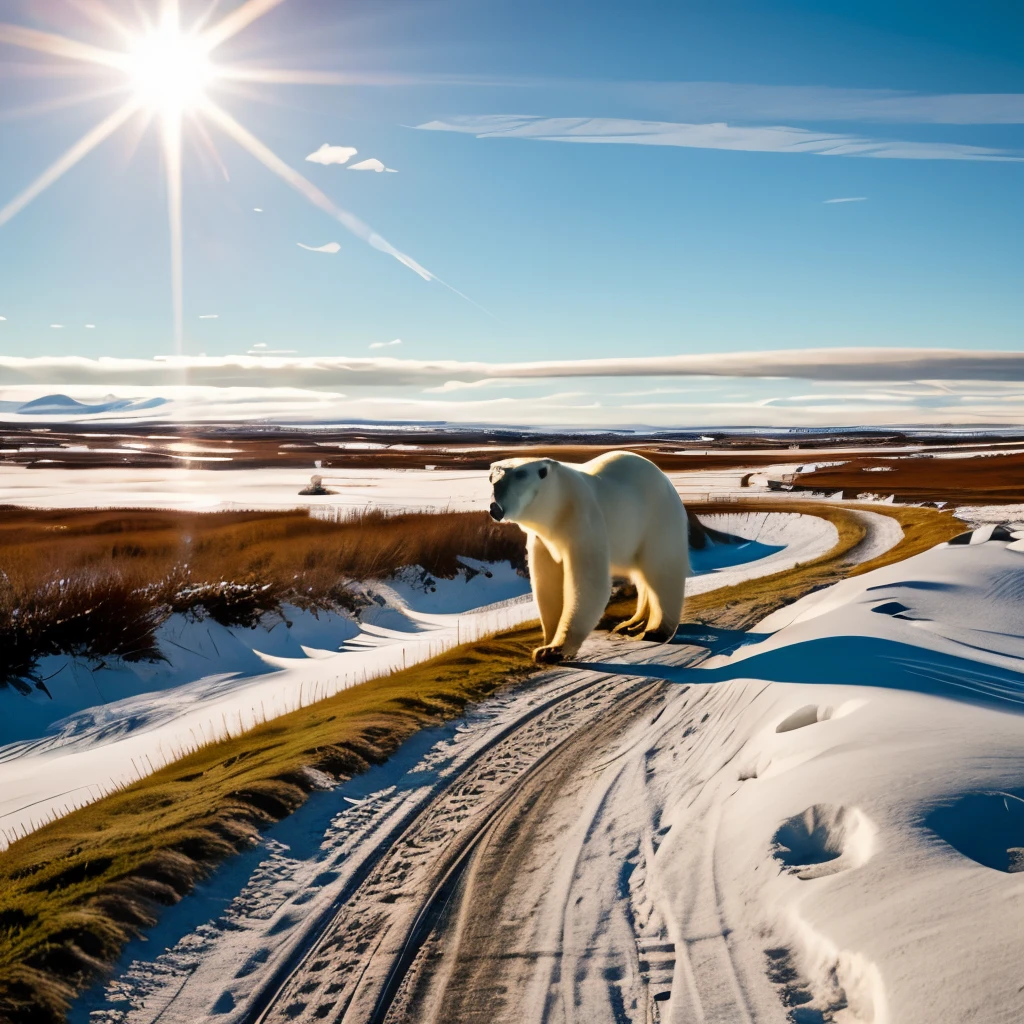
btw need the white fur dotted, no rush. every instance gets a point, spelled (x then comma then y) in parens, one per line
(617, 514)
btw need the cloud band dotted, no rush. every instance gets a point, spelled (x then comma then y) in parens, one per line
(334, 372)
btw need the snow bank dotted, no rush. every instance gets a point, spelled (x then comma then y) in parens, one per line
(975, 515)
(784, 538)
(112, 725)
(872, 838)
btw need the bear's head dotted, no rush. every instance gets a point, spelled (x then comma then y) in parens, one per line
(522, 489)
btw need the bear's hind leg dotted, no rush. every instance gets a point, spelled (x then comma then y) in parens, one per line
(638, 622)
(667, 582)
(547, 584)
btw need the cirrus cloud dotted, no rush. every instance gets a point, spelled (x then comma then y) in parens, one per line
(751, 139)
(332, 372)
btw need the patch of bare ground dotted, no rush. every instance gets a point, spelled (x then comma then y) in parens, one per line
(978, 478)
(218, 448)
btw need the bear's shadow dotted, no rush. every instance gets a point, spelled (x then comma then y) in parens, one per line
(838, 660)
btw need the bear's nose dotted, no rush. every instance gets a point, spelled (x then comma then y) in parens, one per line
(497, 512)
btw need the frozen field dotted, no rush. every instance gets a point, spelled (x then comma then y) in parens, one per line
(209, 489)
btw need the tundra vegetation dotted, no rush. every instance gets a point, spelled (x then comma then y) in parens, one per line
(97, 584)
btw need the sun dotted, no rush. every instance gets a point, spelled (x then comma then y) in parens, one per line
(168, 75)
(170, 69)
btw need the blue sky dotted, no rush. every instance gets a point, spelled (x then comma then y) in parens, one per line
(651, 180)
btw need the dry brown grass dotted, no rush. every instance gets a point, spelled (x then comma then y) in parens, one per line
(96, 584)
(977, 479)
(292, 547)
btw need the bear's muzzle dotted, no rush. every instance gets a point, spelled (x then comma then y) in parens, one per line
(497, 512)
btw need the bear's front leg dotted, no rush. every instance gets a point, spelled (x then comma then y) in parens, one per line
(587, 584)
(547, 584)
(550, 654)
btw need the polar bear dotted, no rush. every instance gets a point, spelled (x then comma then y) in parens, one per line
(616, 514)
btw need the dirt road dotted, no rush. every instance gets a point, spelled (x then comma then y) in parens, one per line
(524, 888)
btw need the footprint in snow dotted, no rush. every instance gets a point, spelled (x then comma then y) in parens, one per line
(824, 840)
(811, 714)
(987, 827)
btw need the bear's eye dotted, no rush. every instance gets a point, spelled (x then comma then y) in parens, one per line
(521, 474)
(543, 472)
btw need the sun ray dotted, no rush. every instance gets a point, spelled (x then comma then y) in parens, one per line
(59, 103)
(204, 19)
(208, 148)
(59, 46)
(273, 162)
(170, 12)
(237, 20)
(100, 14)
(289, 76)
(171, 136)
(64, 163)
(46, 69)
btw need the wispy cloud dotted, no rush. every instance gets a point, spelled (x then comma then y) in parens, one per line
(209, 316)
(847, 199)
(335, 372)
(328, 154)
(751, 102)
(547, 407)
(330, 247)
(385, 344)
(57, 327)
(756, 139)
(373, 164)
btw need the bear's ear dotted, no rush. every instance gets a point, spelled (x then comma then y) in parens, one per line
(542, 472)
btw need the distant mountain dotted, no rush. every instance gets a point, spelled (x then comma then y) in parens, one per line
(62, 405)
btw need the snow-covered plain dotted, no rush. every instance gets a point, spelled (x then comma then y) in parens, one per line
(825, 825)
(209, 490)
(101, 727)
(205, 489)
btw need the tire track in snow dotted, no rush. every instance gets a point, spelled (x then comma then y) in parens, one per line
(352, 962)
